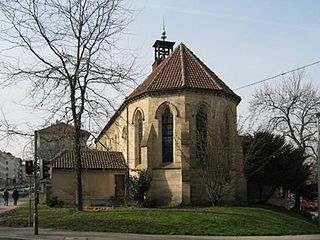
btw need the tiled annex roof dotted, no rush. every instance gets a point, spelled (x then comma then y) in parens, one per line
(90, 159)
(181, 70)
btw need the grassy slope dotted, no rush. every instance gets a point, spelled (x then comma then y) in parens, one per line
(189, 221)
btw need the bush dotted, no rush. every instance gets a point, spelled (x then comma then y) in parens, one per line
(54, 202)
(139, 185)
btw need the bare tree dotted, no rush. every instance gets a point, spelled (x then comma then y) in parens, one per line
(290, 109)
(209, 157)
(69, 57)
(212, 165)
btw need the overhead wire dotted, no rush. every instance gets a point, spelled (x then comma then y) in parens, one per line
(276, 76)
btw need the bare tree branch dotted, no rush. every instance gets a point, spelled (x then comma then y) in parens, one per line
(71, 57)
(290, 109)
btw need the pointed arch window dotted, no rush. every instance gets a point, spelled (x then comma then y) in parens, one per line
(138, 136)
(167, 136)
(124, 133)
(201, 135)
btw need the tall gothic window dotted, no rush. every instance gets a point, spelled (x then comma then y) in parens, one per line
(201, 134)
(138, 136)
(167, 136)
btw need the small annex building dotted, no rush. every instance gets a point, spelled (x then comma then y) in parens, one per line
(160, 124)
(103, 177)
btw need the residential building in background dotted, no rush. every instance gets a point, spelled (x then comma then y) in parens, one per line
(57, 138)
(11, 173)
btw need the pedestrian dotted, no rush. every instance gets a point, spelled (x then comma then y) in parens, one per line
(15, 196)
(5, 197)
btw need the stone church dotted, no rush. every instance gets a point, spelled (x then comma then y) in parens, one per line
(158, 125)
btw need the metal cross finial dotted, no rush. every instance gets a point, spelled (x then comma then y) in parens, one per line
(164, 36)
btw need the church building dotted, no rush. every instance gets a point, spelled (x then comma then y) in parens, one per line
(180, 121)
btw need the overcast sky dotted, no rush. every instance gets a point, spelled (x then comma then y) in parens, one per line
(241, 41)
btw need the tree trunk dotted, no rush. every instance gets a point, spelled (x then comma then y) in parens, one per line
(297, 201)
(78, 167)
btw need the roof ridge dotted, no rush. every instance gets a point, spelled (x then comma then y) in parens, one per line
(204, 68)
(183, 65)
(216, 80)
(159, 69)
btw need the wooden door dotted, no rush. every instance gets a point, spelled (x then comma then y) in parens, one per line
(120, 186)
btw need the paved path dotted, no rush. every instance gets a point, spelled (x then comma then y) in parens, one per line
(27, 233)
(11, 206)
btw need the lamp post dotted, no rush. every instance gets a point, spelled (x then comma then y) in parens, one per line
(318, 175)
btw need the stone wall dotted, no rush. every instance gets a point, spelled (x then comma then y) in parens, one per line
(98, 185)
(173, 183)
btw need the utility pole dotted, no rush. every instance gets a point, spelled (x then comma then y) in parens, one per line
(36, 193)
(30, 201)
(318, 175)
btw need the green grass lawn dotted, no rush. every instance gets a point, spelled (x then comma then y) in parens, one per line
(186, 221)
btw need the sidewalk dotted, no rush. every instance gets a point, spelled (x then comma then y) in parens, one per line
(10, 206)
(28, 234)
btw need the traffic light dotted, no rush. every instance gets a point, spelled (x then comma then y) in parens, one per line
(44, 169)
(29, 167)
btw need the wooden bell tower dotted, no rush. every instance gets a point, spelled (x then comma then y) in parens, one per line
(162, 49)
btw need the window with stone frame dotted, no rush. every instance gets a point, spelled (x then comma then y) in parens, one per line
(167, 135)
(201, 134)
(138, 136)
(124, 133)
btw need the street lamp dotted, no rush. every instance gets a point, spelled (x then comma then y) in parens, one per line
(318, 175)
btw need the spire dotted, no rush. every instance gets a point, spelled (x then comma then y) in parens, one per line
(163, 35)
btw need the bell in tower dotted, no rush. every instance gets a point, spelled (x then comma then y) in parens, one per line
(162, 48)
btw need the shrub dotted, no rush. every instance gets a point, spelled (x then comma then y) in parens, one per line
(54, 202)
(139, 185)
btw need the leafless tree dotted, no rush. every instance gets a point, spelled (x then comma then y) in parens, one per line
(289, 108)
(69, 56)
(212, 165)
(209, 158)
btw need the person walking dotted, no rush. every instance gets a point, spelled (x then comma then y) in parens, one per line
(5, 197)
(15, 196)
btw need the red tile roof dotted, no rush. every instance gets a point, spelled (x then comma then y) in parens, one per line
(90, 159)
(182, 70)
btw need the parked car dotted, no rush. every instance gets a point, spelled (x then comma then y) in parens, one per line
(306, 204)
(23, 192)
